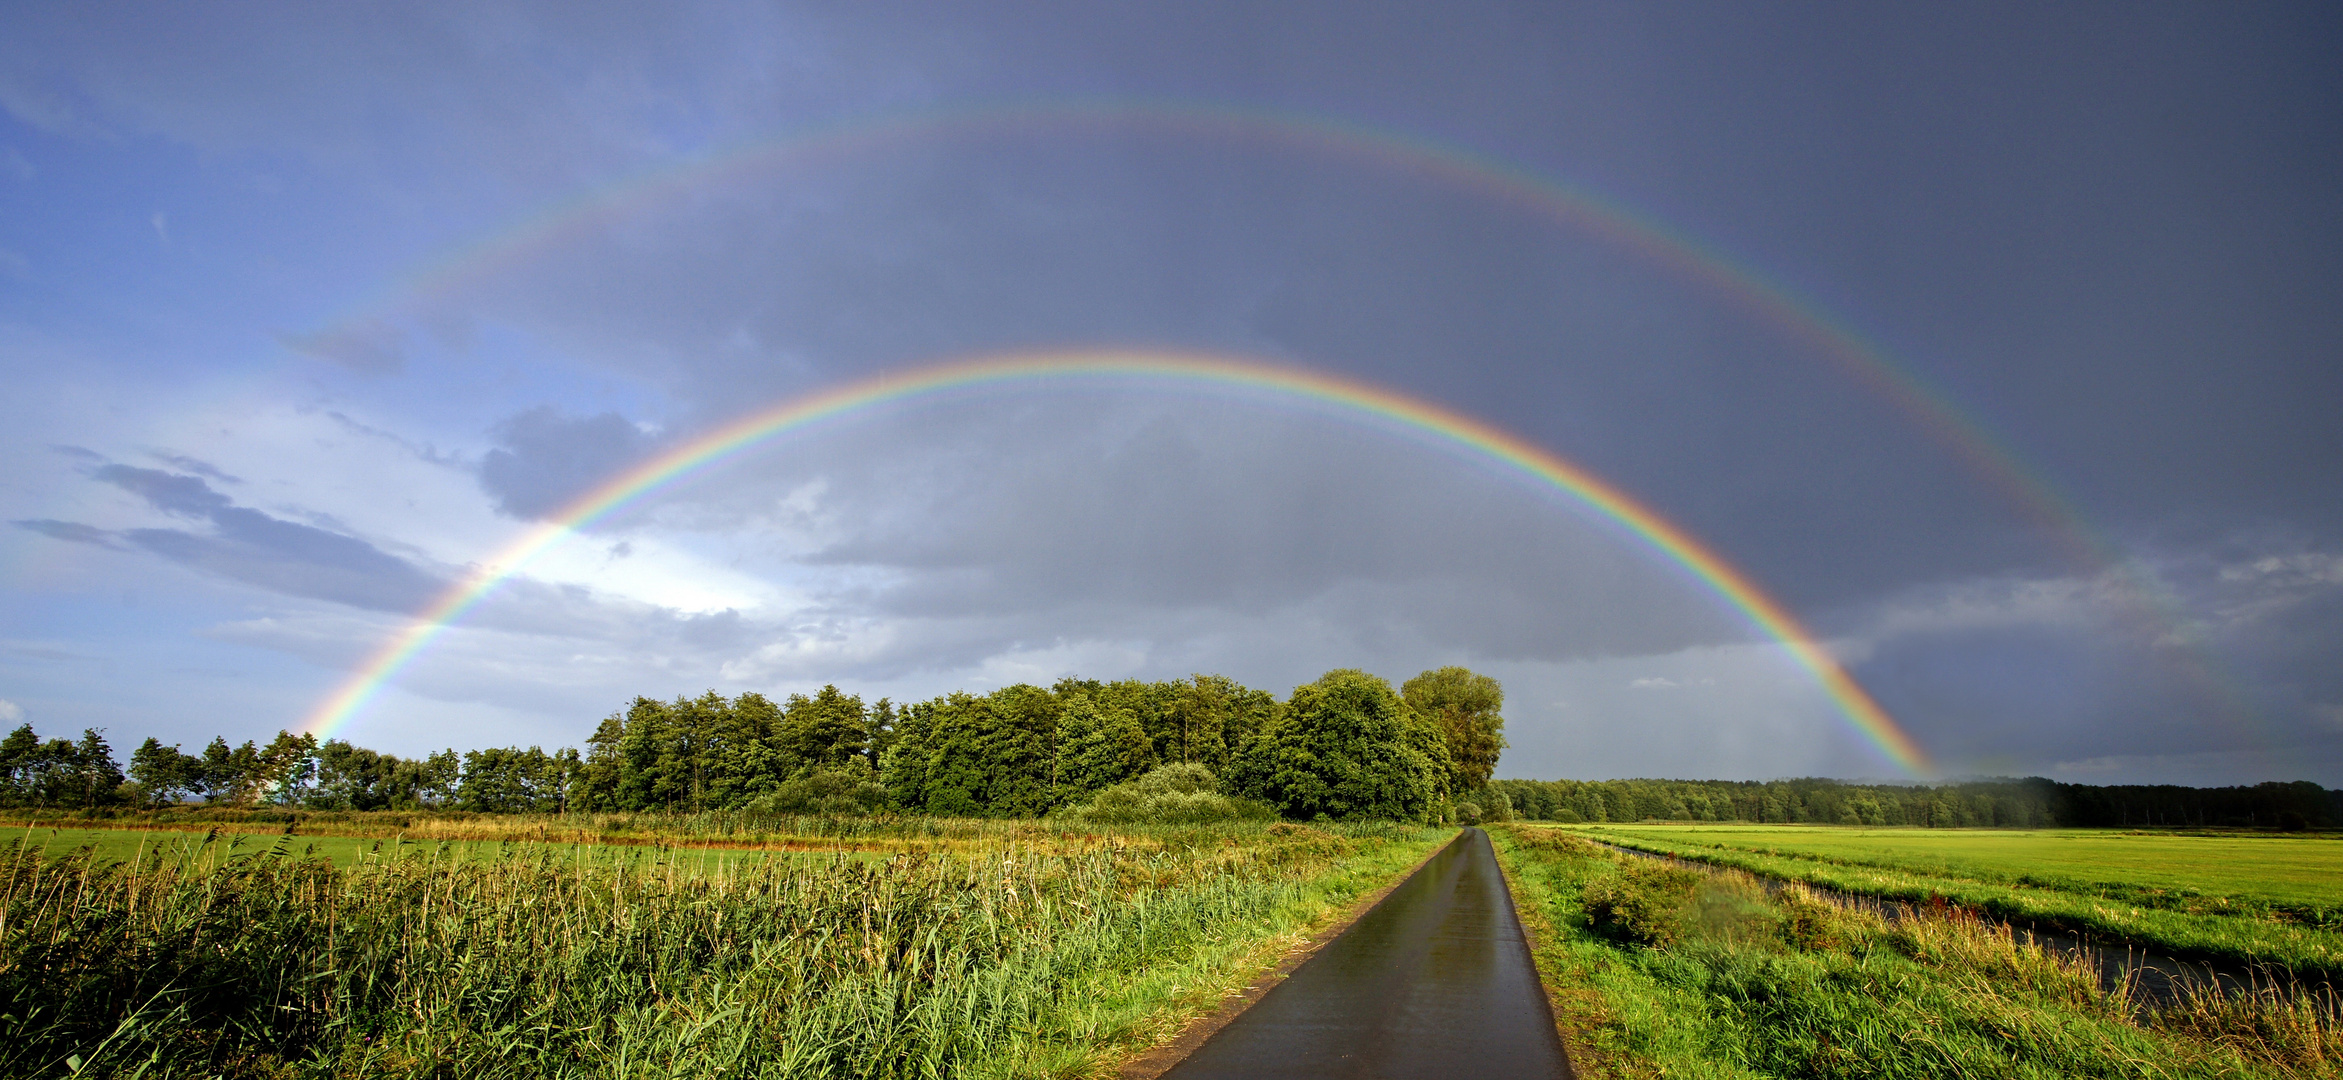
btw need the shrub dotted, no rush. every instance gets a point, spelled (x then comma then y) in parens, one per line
(1466, 813)
(1170, 795)
(829, 792)
(1657, 904)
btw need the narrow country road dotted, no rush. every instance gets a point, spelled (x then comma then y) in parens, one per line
(1435, 981)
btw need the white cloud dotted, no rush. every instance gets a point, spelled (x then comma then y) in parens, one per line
(10, 712)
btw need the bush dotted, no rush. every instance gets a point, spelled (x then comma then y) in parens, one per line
(1657, 904)
(1169, 795)
(1466, 813)
(829, 792)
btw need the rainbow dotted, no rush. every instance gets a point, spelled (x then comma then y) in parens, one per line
(1984, 456)
(1343, 396)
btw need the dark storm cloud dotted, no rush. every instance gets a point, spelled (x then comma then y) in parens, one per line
(1116, 516)
(255, 548)
(547, 458)
(2223, 666)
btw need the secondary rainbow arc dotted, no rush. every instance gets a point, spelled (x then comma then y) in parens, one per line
(1346, 396)
(1985, 455)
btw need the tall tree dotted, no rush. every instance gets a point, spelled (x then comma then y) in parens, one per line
(162, 773)
(746, 753)
(644, 782)
(1097, 745)
(826, 731)
(1468, 708)
(96, 774)
(1346, 747)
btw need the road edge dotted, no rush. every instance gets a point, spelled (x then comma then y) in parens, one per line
(1159, 1059)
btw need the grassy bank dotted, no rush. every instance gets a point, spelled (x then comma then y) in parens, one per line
(2259, 900)
(1660, 970)
(1002, 956)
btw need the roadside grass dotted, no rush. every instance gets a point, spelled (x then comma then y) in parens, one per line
(1660, 970)
(1052, 957)
(2251, 900)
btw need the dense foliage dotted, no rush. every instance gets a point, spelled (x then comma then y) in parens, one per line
(2032, 803)
(1345, 747)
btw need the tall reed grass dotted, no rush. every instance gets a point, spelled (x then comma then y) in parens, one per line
(1003, 961)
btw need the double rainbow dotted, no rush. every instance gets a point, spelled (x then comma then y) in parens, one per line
(1341, 396)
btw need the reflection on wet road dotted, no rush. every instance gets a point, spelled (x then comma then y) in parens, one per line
(1435, 981)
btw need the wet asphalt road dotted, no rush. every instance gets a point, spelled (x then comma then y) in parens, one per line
(1435, 981)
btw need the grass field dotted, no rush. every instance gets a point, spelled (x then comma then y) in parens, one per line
(1661, 970)
(2304, 872)
(2244, 898)
(208, 849)
(972, 949)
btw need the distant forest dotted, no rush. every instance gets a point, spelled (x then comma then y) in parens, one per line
(1346, 746)
(2031, 802)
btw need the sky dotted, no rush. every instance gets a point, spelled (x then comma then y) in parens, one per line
(2001, 345)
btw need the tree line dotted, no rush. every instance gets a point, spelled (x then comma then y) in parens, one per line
(2031, 802)
(1346, 746)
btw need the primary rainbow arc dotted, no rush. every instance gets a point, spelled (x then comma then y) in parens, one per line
(1347, 397)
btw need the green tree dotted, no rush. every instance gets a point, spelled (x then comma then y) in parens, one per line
(1211, 717)
(597, 782)
(990, 756)
(1097, 746)
(229, 775)
(829, 730)
(644, 759)
(285, 767)
(1346, 747)
(746, 753)
(1467, 708)
(17, 752)
(95, 772)
(903, 768)
(439, 779)
(163, 774)
(878, 734)
(356, 778)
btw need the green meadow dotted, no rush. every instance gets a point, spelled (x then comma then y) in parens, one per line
(2237, 897)
(1659, 969)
